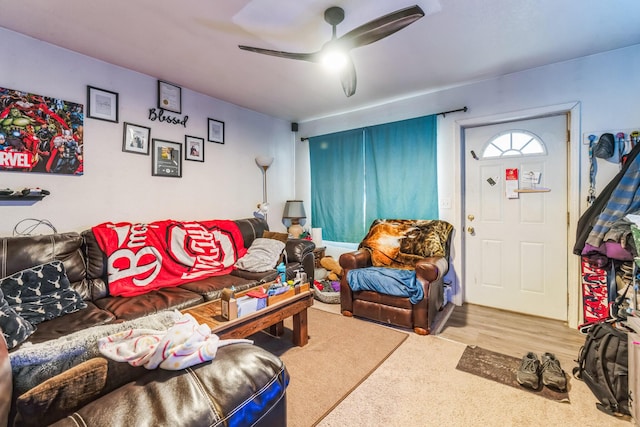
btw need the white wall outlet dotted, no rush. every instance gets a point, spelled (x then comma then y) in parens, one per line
(445, 203)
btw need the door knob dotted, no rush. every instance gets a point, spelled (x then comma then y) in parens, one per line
(471, 217)
(471, 230)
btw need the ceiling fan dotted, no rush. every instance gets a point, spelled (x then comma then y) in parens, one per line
(363, 35)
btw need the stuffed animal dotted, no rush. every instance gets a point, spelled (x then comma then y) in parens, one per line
(333, 267)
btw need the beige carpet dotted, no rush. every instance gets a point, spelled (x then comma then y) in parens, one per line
(419, 385)
(340, 354)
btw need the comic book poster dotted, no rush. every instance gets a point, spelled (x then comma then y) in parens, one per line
(40, 134)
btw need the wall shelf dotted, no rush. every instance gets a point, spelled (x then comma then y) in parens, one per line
(18, 199)
(532, 190)
(21, 197)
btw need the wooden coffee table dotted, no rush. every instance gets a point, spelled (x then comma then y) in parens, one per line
(271, 316)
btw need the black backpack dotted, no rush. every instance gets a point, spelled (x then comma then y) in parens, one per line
(603, 366)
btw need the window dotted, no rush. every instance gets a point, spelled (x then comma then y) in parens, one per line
(513, 143)
(384, 171)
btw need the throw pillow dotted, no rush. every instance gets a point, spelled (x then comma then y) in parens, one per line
(41, 293)
(283, 237)
(14, 328)
(262, 255)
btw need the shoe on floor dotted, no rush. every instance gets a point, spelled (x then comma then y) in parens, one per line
(552, 374)
(528, 374)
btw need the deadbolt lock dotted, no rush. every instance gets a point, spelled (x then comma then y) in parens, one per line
(471, 217)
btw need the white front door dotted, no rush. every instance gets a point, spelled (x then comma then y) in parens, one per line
(515, 233)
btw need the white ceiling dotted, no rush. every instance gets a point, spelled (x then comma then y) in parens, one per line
(193, 43)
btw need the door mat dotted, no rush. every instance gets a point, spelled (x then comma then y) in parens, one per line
(502, 368)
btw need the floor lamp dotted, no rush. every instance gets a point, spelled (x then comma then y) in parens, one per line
(264, 162)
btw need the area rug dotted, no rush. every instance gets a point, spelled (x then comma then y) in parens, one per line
(501, 368)
(341, 353)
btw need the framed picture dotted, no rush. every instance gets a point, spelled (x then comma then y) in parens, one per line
(135, 139)
(102, 104)
(166, 158)
(193, 148)
(169, 97)
(216, 131)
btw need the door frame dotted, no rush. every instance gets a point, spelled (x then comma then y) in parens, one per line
(574, 192)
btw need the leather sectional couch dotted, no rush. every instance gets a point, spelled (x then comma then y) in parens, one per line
(243, 385)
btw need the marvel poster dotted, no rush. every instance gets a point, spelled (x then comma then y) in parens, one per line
(40, 134)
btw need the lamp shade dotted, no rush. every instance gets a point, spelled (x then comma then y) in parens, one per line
(294, 209)
(292, 216)
(264, 161)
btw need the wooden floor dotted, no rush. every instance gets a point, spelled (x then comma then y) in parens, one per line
(512, 333)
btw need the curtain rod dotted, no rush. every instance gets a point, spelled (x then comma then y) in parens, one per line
(442, 113)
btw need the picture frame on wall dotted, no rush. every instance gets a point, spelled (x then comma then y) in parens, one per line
(135, 139)
(193, 148)
(215, 131)
(169, 97)
(166, 158)
(102, 104)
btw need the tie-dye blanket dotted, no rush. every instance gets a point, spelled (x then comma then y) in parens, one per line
(185, 344)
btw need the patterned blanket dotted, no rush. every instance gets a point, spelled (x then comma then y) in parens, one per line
(400, 243)
(145, 257)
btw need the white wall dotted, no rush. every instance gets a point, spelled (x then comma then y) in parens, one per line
(605, 85)
(118, 186)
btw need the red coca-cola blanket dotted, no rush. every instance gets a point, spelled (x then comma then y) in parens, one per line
(144, 257)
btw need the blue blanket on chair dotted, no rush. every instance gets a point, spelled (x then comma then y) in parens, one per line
(389, 281)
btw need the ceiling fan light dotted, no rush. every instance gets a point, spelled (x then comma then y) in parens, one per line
(334, 60)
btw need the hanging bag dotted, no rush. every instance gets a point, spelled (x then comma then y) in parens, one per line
(605, 148)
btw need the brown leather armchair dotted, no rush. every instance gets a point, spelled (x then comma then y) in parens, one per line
(412, 243)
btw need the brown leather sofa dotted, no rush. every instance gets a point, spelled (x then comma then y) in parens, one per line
(243, 385)
(391, 309)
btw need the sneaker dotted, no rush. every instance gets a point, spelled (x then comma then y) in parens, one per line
(552, 374)
(528, 374)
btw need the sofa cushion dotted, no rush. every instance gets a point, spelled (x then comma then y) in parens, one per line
(14, 328)
(36, 250)
(283, 237)
(70, 323)
(262, 255)
(128, 308)
(41, 293)
(211, 287)
(63, 394)
(243, 386)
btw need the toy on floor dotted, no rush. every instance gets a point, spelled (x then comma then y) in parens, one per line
(333, 267)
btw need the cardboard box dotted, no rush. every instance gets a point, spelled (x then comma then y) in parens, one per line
(228, 305)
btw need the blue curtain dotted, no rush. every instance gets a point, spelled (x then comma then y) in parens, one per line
(337, 185)
(383, 171)
(401, 175)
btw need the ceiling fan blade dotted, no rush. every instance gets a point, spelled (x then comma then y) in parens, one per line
(289, 55)
(348, 78)
(381, 27)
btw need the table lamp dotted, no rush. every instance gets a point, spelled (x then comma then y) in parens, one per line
(293, 216)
